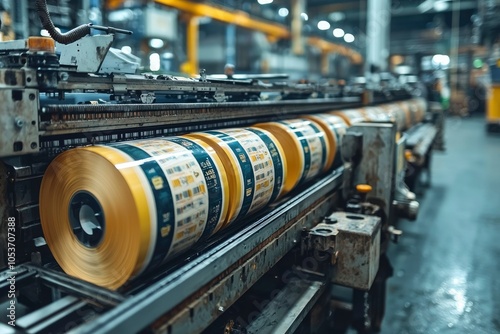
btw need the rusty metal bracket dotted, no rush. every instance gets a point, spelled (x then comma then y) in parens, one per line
(353, 241)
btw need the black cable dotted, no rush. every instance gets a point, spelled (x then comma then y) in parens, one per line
(63, 38)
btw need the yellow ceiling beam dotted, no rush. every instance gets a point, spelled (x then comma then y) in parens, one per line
(329, 47)
(236, 17)
(113, 4)
(273, 31)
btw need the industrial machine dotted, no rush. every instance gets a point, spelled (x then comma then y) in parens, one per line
(291, 265)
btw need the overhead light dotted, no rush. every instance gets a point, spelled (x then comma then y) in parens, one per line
(304, 16)
(283, 12)
(425, 6)
(336, 16)
(126, 49)
(167, 55)
(156, 43)
(154, 62)
(323, 25)
(349, 38)
(264, 2)
(338, 32)
(121, 15)
(441, 5)
(442, 60)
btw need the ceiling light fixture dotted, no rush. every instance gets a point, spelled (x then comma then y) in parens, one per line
(338, 32)
(349, 38)
(323, 25)
(283, 12)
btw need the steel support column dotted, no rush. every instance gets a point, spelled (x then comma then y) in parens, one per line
(378, 25)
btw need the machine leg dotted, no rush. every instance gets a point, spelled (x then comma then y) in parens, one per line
(369, 306)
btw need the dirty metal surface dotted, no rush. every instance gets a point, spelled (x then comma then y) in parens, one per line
(19, 120)
(86, 54)
(288, 309)
(65, 119)
(355, 239)
(194, 295)
(376, 166)
(222, 293)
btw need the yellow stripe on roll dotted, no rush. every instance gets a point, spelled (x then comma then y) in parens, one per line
(294, 155)
(351, 116)
(232, 170)
(248, 163)
(306, 149)
(334, 127)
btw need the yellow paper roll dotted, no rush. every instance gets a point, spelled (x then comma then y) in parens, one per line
(109, 213)
(255, 165)
(395, 113)
(421, 106)
(334, 128)
(351, 116)
(377, 114)
(405, 110)
(305, 145)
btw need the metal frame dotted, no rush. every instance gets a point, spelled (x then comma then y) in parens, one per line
(238, 256)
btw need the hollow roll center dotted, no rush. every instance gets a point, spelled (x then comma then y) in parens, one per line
(86, 219)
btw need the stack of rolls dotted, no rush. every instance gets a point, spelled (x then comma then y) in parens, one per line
(111, 212)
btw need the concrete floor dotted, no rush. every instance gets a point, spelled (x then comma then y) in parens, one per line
(447, 263)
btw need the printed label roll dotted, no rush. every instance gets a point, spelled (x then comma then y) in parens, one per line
(351, 116)
(406, 113)
(334, 128)
(421, 107)
(255, 166)
(396, 114)
(376, 114)
(305, 146)
(109, 213)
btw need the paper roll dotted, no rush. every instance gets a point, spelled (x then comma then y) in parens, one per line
(109, 213)
(396, 114)
(255, 166)
(351, 116)
(334, 128)
(376, 114)
(305, 146)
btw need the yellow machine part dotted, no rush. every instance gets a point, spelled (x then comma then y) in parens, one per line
(493, 110)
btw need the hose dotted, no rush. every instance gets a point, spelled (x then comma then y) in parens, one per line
(63, 38)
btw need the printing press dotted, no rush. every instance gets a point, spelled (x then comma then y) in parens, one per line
(296, 264)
